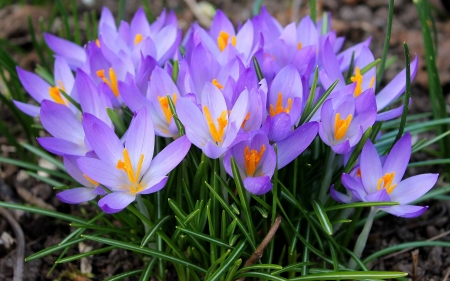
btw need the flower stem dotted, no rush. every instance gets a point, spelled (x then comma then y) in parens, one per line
(143, 210)
(362, 238)
(327, 177)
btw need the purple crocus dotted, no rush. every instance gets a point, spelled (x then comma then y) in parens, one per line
(130, 170)
(40, 90)
(90, 189)
(343, 124)
(256, 161)
(383, 182)
(214, 128)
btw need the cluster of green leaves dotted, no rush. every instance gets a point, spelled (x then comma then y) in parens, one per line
(204, 223)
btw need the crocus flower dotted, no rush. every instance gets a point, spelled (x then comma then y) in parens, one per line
(214, 128)
(88, 191)
(342, 125)
(256, 161)
(383, 182)
(130, 170)
(40, 90)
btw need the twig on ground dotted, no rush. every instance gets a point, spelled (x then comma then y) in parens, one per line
(415, 260)
(202, 18)
(446, 275)
(259, 251)
(20, 238)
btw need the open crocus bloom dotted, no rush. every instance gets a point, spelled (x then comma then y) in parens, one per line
(130, 170)
(379, 182)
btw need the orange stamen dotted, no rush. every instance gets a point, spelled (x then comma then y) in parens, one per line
(372, 82)
(386, 182)
(245, 120)
(358, 78)
(216, 83)
(222, 40)
(55, 94)
(216, 133)
(279, 106)
(138, 38)
(164, 103)
(299, 46)
(252, 159)
(133, 176)
(112, 83)
(341, 125)
(90, 180)
(358, 173)
(97, 42)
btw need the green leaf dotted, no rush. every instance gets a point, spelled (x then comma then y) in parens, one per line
(311, 97)
(45, 179)
(386, 44)
(180, 125)
(261, 275)
(232, 270)
(152, 231)
(321, 100)
(368, 67)
(87, 254)
(117, 121)
(34, 167)
(216, 263)
(257, 69)
(40, 211)
(124, 275)
(361, 205)
(323, 218)
(44, 155)
(292, 267)
(175, 70)
(205, 237)
(235, 254)
(352, 275)
(261, 267)
(233, 215)
(145, 251)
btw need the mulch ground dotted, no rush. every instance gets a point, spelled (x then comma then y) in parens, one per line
(356, 20)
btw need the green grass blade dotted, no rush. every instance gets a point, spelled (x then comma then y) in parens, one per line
(205, 237)
(235, 254)
(45, 179)
(124, 275)
(145, 251)
(87, 254)
(44, 155)
(386, 44)
(152, 231)
(321, 101)
(243, 198)
(258, 69)
(117, 121)
(352, 275)
(323, 217)
(261, 276)
(311, 97)
(43, 212)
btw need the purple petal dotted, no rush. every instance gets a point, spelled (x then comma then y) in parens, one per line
(196, 129)
(379, 196)
(28, 109)
(132, 97)
(71, 52)
(406, 211)
(296, 143)
(220, 23)
(354, 186)
(413, 188)
(212, 150)
(61, 122)
(62, 147)
(63, 75)
(339, 197)
(154, 185)
(33, 84)
(116, 202)
(139, 24)
(71, 165)
(168, 158)
(141, 139)
(371, 169)
(102, 139)
(396, 87)
(398, 158)
(76, 195)
(102, 172)
(390, 114)
(342, 148)
(279, 127)
(244, 39)
(257, 185)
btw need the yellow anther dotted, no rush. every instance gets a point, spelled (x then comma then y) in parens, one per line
(222, 40)
(133, 176)
(138, 38)
(341, 125)
(279, 106)
(93, 182)
(386, 182)
(216, 132)
(358, 173)
(55, 94)
(252, 159)
(358, 78)
(299, 46)
(372, 82)
(245, 119)
(216, 83)
(112, 82)
(97, 42)
(164, 103)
